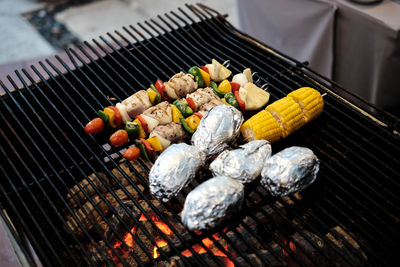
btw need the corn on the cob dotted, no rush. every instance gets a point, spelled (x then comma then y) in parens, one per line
(288, 113)
(261, 126)
(310, 101)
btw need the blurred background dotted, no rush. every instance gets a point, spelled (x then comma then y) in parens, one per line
(355, 44)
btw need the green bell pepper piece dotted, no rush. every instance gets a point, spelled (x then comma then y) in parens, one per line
(183, 107)
(103, 116)
(132, 128)
(186, 126)
(142, 148)
(214, 86)
(231, 100)
(195, 71)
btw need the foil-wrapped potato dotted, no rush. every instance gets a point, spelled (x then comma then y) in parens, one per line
(219, 127)
(174, 169)
(209, 203)
(289, 171)
(243, 164)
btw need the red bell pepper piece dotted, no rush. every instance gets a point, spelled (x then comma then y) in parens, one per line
(241, 103)
(198, 115)
(205, 69)
(161, 88)
(143, 122)
(147, 145)
(191, 103)
(235, 87)
(118, 117)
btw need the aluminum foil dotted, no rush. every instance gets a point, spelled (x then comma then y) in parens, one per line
(217, 129)
(209, 203)
(243, 164)
(289, 171)
(174, 169)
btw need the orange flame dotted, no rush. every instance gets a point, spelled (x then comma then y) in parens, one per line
(160, 243)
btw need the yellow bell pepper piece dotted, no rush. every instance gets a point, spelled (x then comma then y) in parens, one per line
(155, 143)
(142, 133)
(152, 95)
(193, 121)
(206, 77)
(176, 114)
(223, 100)
(225, 86)
(111, 117)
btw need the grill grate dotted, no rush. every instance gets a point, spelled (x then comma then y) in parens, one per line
(348, 216)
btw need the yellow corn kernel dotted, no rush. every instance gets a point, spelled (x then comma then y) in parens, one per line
(142, 133)
(176, 114)
(152, 95)
(261, 126)
(310, 101)
(206, 77)
(155, 143)
(225, 86)
(111, 117)
(288, 113)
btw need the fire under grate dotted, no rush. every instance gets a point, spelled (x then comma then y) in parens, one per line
(78, 203)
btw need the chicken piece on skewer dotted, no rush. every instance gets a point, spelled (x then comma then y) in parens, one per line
(180, 85)
(209, 105)
(161, 112)
(203, 96)
(172, 132)
(137, 103)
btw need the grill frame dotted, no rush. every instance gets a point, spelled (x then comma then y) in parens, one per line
(81, 77)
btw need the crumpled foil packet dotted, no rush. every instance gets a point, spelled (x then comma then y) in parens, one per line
(219, 127)
(209, 203)
(174, 169)
(243, 164)
(290, 171)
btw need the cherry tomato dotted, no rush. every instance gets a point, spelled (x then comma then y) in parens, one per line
(132, 153)
(119, 138)
(94, 126)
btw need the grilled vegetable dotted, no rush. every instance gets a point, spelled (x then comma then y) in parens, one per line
(214, 86)
(149, 148)
(225, 87)
(122, 110)
(164, 142)
(310, 101)
(234, 86)
(183, 107)
(143, 151)
(155, 143)
(193, 121)
(143, 123)
(247, 73)
(152, 95)
(186, 126)
(142, 133)
(195, 71)
(119, 138)
(240, 102)
(118, 118)
(161, 89)
(103, 116)
(288, 113)
(132, 153)
(132, 128)
(240, 79)
(191, 103)
(256, 97)
(199, 115)
(217, 71)
(205, 69)
(94, 126)
(158, 95)
(206, 77)
(151, 122)
(111, 117)
(176, 114)
(261, 126)
(231, 100)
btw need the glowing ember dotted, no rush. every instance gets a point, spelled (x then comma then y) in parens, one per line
(160, 243)
(292, 247)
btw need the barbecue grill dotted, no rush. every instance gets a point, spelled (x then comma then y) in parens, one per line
(75, 200)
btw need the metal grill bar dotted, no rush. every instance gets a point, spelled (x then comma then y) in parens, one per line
(126, 66)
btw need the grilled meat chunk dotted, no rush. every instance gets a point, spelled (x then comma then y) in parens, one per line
(209, 105)
(174, 169)
(203, 96)
(172, 131)
(209, 203)
(161, 112)
(181, 84)
(137, 103)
